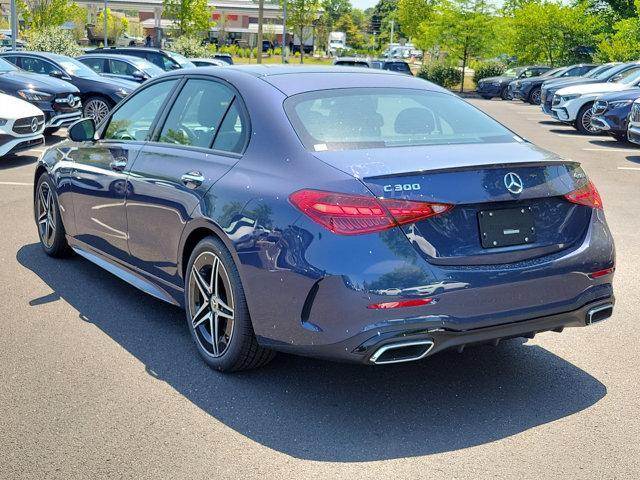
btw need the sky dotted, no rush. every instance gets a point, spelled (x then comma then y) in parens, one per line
(363, 4)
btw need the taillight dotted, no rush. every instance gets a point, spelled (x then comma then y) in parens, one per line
(356, 214)
(587, 195)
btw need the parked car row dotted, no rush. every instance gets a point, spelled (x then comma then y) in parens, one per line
(391, 65)
(594, 99)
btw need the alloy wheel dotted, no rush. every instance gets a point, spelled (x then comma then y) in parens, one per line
(211, 304)
(46, 215)
(96, 109)
(586, 121)
(535, 97)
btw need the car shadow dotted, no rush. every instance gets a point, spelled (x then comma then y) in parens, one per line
(326, 411)
(611, 144)
(633, 158)
(549, 122)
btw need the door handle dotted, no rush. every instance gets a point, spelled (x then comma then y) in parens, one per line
(118, 164)
(192, 179)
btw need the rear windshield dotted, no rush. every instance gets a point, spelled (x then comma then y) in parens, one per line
(355, 118)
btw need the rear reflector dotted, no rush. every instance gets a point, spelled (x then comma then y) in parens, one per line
(416, 302)
(356, 214)
(602, 273)
(587, 195)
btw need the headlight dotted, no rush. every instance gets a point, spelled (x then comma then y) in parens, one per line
(3, 122)
(620, 103)
(122, 92)
(495, 83)
(34, 95)
(568, 98)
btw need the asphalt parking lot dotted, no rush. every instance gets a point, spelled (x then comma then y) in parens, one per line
(98, 380)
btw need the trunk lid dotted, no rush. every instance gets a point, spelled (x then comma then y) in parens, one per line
(489, 224)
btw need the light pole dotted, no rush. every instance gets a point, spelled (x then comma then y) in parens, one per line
(284, 31)
(14, 25)
(106, 25)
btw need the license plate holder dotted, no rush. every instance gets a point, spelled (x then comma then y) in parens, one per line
(506, 227)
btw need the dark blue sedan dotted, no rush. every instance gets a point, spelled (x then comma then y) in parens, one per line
(611, 113)
(353, 215)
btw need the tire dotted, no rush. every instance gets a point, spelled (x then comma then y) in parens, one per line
(620, 137)
(534, 96)
(235, 346)
(504, 94)
(97, 108)
(582, 120)
(48, 220)
(486, 97)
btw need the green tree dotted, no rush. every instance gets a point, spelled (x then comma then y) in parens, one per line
(411, 13)
(346, 23)
(552, 32)
(334, 9)
(53, 39)
(189, 16)
(301, 15)
(116, 26)
(461, 27)
(623, 43)
(45, 13)
(386, 11)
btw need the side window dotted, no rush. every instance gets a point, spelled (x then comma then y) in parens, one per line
(35, 65)
(196, 114)
(13, 59)
(233, 131)
(95, 64)
(118, 67)
(626, 74)
(133, 120)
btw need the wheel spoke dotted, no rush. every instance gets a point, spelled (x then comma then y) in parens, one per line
(224, 310)
(213, 284)
(214, 333)
(201, 283)
(198, 318)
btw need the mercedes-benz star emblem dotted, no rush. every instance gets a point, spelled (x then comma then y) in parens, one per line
(513, 182)
(70, 99)
(34, 124)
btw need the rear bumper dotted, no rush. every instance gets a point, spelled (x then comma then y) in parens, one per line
(365, 347)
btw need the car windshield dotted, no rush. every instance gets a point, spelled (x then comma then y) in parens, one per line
(556, 72)
(6, 66)
(77, 69)
(182, 61)
(513, 72)
(606, 74)
(148, 68)
(356, 118)
(596, 72)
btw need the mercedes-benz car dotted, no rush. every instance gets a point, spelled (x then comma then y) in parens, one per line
(21, 125)
(573, 105)
(348, 214)
(491, 87)
(633, 130)
(529, 89)
(610, 113)
(57, 99)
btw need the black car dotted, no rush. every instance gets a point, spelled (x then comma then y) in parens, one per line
(124, 67)
(610, 113)
(209, 62)
(164, 59)
(59, 100)
(99, 94)
(491, 87)
(529, 89)
(392, 65)
(225, 57)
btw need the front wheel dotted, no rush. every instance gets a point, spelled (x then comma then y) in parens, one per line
(217, 313)
(97, 108)
(583, 121)
(47, 214)
(504, 94)
(534, 96)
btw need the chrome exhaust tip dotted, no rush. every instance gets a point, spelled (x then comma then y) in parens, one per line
(599, 313)
(402, 352)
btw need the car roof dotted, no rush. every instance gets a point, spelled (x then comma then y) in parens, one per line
(115, 56)
(124, 49)
(291, 80)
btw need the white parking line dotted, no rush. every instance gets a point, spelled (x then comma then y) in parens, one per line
(605, 149)
(22, 184)
(629, 168)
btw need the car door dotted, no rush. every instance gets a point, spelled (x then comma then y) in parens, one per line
(99, 179)
(96, 64)
(121, 69)
(200, 138)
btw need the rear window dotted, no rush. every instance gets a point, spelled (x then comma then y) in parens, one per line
(355, 118)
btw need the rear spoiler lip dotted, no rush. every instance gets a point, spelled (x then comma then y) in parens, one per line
(536, 163)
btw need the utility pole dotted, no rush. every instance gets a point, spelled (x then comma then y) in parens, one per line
(391, 36)
(106, 25)
(260, 21)
(284, 31)
(14, 25)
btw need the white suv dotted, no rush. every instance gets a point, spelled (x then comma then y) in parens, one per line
(572, 105)
(21, 125)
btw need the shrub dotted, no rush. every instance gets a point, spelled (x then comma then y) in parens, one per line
(488, 69)
(54, 40)
(441, 74)
(190, 47)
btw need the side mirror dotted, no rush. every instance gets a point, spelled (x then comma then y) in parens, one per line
(139, 75)
(83, 130)
(56, 74)
(615, 78)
